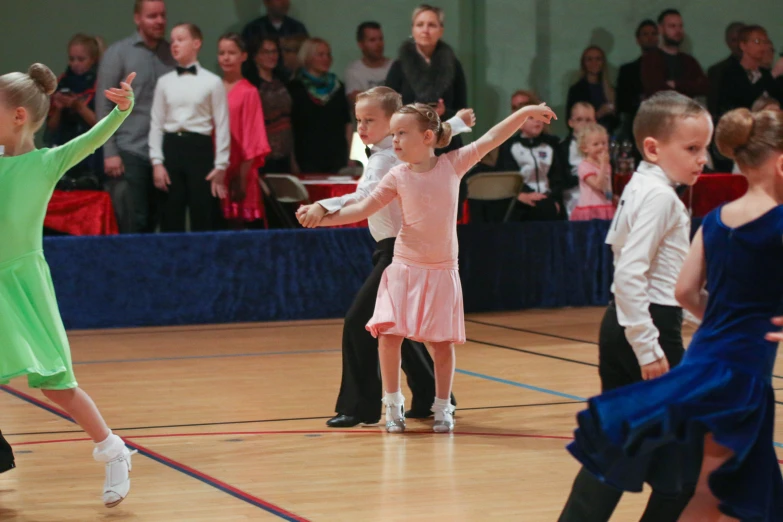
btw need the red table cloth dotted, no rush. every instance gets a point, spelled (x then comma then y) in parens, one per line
(709, 192)
(81, 213)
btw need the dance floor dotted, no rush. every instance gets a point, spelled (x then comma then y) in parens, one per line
(229, 424)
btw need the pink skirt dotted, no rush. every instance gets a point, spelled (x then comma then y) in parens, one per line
(421, 304)
(592, 212)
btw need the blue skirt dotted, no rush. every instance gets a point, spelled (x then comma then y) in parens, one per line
(654, 432)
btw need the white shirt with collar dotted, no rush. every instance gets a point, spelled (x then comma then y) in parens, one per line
(650, 237)
(191, 103)
(387, 222)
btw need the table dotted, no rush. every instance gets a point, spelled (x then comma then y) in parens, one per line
(81, 213)
(709, 192)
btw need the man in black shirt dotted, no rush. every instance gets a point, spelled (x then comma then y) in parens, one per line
(715, 73)
(629, 79)
(276, 23)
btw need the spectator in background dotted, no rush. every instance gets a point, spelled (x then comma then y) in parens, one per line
(533, 153)
(746, 81)
(777, 70)
(371, 70)
(715, 73)
(594, 87)
(668, 67)
(126, 154)
(264, 72)
(190, 138)
(72, 111)
(629, 79)
(249, 144)
(581, 115)
(277, 23)
(320, 114)
(428, 71)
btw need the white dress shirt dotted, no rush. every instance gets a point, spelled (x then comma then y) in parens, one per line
(650, 237)
(387, 222)
(190, 103)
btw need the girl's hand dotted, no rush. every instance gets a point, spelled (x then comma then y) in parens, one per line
(776, 337)
(540, 113)
(310, 216)
(123, 97)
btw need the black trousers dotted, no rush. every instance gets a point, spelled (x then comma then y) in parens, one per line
(360, 390)
(6, 455)
(189, 160)
(591, 500)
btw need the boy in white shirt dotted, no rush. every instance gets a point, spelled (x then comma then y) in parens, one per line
(359, 401)
(190, 103)
(641, 333)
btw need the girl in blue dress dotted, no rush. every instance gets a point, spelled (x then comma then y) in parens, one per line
(710, 420)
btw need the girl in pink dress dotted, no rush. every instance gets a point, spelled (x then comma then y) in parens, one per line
(595, 175)
(420, 296)
(249, 144)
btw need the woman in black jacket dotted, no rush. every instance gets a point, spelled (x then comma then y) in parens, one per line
(428, 71)
(594, 88)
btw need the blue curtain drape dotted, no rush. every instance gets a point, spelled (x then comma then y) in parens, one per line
(275, 275)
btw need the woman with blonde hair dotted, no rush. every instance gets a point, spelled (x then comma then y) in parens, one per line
(320, 114)
(594, 87)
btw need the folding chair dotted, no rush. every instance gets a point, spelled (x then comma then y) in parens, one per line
(282, 191)
(495, 186)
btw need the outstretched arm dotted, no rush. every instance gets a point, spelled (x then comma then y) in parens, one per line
(352, 213)
(68, 155)
(506, 128)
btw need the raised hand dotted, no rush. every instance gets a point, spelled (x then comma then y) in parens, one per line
(468, 116)
(123, 96)
(540, 112)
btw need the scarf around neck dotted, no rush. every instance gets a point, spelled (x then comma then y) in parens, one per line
(320, 89)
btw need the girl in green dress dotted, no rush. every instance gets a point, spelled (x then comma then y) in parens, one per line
(32, 336)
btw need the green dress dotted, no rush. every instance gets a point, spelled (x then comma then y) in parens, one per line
(32, 335)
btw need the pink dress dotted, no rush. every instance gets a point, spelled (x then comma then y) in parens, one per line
(592, 204)
(420, 296)
(248, 142)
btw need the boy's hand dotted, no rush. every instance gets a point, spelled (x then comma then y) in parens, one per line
(530, 198)
(655, 369)
(310, 216)
(468, 116)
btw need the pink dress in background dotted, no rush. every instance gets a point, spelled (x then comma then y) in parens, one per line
(248, 142)
(420, 296)
(592, 203)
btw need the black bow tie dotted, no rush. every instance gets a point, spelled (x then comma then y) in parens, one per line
(185, 70)
(368, 151)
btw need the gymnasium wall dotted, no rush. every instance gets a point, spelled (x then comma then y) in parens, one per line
(504, 44)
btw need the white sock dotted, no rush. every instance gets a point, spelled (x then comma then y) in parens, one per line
(109, 449)
(441, 404)
(395, 398)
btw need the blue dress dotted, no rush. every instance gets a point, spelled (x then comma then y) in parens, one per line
(654, 431)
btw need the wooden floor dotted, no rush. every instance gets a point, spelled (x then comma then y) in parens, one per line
(229, 422)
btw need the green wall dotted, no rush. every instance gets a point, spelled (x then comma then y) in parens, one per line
(503, 44)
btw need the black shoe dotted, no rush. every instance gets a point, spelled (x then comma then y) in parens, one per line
(347, 421)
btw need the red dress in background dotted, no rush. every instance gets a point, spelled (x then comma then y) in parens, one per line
(248, 142)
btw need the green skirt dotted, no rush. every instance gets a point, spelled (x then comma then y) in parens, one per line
(32, 336)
